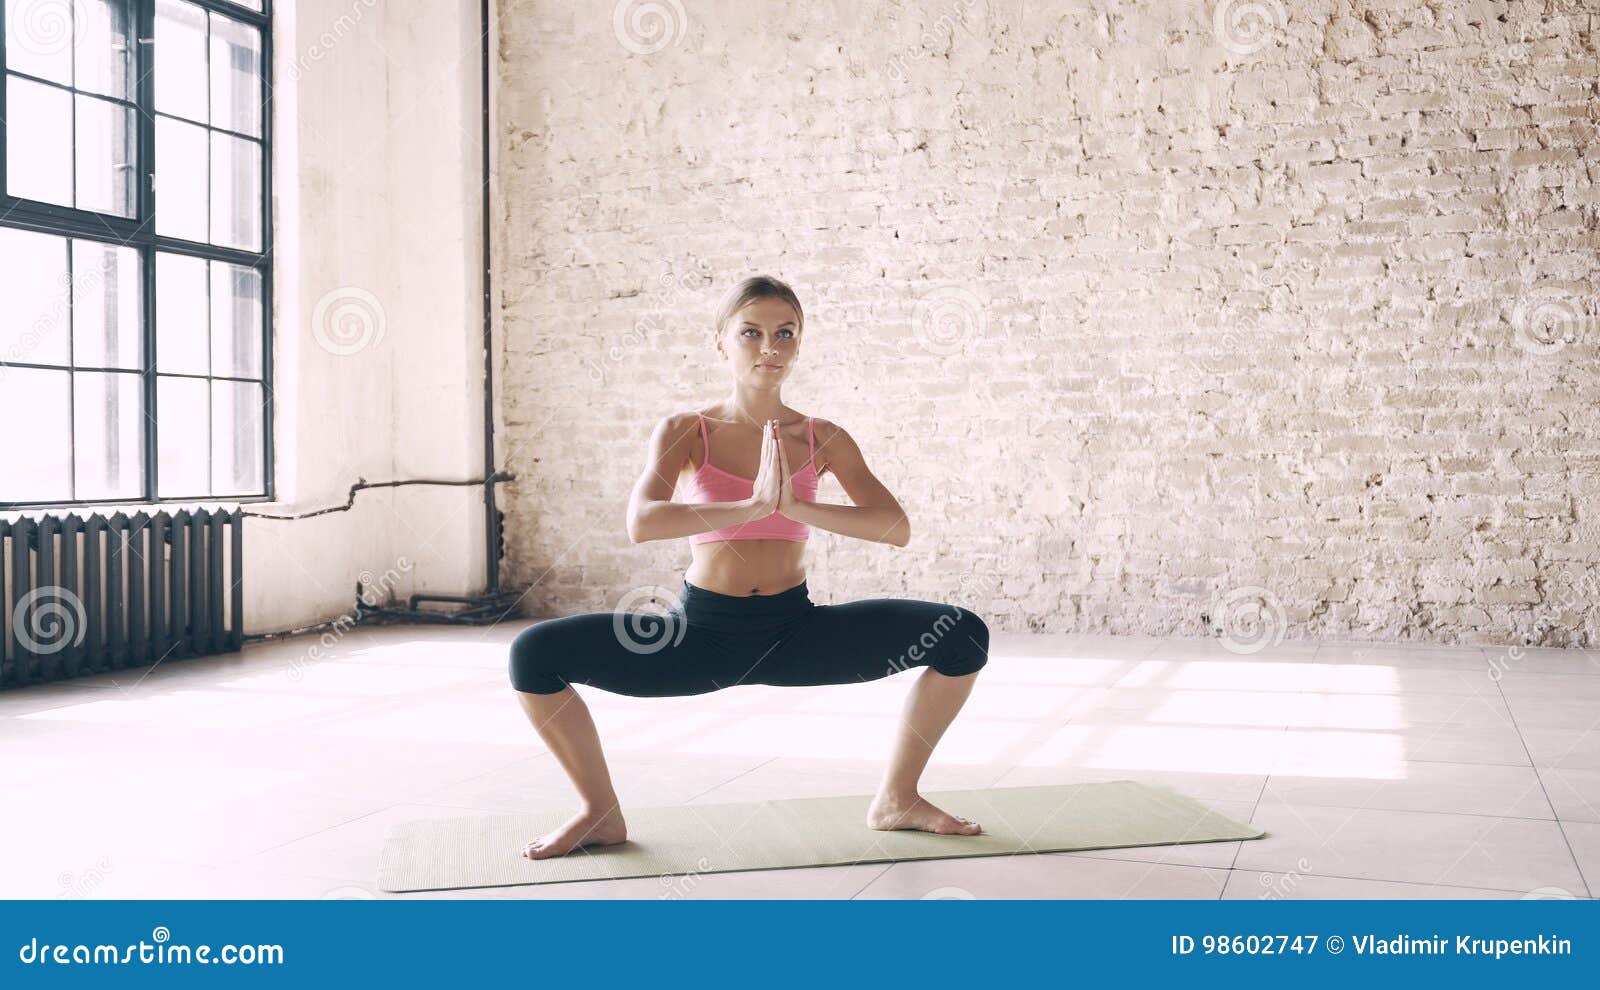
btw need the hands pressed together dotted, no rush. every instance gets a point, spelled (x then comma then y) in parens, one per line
(774, 485)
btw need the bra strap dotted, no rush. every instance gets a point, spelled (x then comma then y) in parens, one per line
(811, 442)
(705, 440)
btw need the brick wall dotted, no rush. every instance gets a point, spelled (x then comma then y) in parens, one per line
(1156, 316)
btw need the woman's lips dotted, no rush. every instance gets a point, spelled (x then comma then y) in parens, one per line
(769, 367)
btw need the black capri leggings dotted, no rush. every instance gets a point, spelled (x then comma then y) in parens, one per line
(711, 641)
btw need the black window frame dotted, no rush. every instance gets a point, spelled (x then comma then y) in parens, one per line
(139, 232)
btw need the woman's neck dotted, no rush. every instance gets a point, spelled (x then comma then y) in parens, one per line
(755, 406)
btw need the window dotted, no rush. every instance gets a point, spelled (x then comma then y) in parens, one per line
(135, 248)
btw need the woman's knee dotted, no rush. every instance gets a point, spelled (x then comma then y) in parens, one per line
(533, 658)
(969, 652)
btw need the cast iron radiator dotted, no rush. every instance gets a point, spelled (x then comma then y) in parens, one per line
(87, 596)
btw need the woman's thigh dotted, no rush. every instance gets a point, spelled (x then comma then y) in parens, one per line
(648, 655)
(873, 638)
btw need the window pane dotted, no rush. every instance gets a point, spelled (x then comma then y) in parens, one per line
(180, 59)
(180, 179)
(236, 457)
(105, 156)
(38, 141)
(39, 39)
(105, 306)
(235, 321)
(181, 412)
(35, 304)
(235, 192)
(181, 345)
(107, 448)
(235, 76)
(38, 459)
(105, 47)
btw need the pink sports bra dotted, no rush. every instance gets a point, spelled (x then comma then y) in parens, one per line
(712, 484)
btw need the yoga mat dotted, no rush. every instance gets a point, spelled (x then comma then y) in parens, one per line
(486, 850)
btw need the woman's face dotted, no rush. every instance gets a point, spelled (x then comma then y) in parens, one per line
(761, 341)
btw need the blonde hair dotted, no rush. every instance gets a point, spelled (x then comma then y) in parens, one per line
(748, 291)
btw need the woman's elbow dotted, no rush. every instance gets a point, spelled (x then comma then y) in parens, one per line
(901, 534)
(637, 531)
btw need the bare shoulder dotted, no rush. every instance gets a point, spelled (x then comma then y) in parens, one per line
(676, 425)
(834, 444)
(675, 435)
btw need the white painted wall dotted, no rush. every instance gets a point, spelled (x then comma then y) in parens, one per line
(377, 314)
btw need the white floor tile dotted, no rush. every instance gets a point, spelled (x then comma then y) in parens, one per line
(1458, 788)
(1511, 854)
(1042, 877)
(1379, 770)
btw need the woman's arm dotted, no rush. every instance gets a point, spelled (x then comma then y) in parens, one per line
(876, 514)
(652, 515)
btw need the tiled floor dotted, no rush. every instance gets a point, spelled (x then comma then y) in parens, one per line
(1377, 771)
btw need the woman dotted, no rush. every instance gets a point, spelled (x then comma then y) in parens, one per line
(746, 616)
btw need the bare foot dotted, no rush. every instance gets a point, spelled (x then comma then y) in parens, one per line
(586, 828)
(888, 813)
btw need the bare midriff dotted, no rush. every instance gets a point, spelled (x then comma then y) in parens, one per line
(747, 567)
